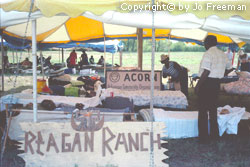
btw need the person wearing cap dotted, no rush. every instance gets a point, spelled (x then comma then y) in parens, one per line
(212, 67)
(177, 73)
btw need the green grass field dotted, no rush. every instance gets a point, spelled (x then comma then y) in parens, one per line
(191, 60)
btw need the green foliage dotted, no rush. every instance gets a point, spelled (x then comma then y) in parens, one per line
(247, 48)
(161, 46)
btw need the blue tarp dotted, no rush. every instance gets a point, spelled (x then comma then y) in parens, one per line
(95, 44)
(111, 46)
(17, 42)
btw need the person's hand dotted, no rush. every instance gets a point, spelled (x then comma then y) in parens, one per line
(196, 89)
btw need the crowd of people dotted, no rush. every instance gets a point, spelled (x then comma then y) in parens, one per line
(46, 62)
(84, 60)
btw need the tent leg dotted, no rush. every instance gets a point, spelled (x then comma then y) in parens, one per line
(152, 73)
(120, 58)
(104, 57)
(62, 56)
(59, 55)
(2, 51)
(34, 70)
(140, 47)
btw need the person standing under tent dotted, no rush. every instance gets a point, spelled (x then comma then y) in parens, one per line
(71, 61)
(101, 61)
(83, 59)
(214, 65)
(5, 62)
(178, 73)
(91, 60)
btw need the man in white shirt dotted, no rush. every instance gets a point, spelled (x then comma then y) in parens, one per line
(212, 67)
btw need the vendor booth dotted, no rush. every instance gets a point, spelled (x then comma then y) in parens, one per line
(89, 107)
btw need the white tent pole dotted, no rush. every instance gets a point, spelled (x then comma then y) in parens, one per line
(152, 89)
(59, 55)
(34, 71)
(120, 58)
(112, 60)
(13, 57)
(152, 67)
(16, 57)
(104, 57)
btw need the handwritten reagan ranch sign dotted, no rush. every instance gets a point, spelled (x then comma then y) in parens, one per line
(132, 80)
(116, 144)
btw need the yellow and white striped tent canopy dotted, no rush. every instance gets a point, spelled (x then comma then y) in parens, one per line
(78, 20)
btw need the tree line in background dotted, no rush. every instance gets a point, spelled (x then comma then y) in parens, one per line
(130, 45)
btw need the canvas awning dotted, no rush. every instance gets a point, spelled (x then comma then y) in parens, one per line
(74, 8)
(115, 25)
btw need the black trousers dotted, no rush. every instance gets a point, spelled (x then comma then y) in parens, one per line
(207, 103)
(184, 81)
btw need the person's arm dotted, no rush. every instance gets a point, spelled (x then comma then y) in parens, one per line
(228, 71)
(164, 75)
(201, 81)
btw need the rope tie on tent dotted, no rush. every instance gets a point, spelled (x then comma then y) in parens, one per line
(8, 109)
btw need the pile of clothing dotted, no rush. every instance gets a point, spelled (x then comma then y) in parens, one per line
(61, 84)
(240, 87)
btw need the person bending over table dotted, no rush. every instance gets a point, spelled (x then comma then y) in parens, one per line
(212, 68)
(178, 73)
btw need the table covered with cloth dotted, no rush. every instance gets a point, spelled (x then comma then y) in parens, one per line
(26, 98)
(170, 99)
(185, 124)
